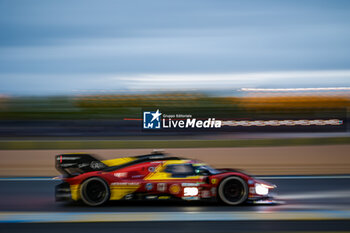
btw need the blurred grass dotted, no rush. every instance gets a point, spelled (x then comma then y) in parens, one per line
(130, 106)
(160, 144)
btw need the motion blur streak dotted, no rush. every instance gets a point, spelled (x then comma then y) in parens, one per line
(41, 217)
(237, 80)
(284, 122)
(317, 195)
(298, 89)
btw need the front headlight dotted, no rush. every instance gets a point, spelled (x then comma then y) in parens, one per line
(261, 189)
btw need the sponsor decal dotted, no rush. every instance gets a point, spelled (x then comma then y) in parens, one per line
(151, 197)
(125, 183)
(205, 194)
(250, 181)
(149, 186)
(151, 120)
(161, 187)
(120, 174)
(190, 198)
(163, 197)
(189, 184)
(96, 165)
(213, 191)
(80, 165)
(214, 181)
(174, 189)
(128, 196)
(151, 169)
(67, 158)
(67, 164)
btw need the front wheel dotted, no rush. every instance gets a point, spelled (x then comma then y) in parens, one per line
(94, 191)
(233, 190)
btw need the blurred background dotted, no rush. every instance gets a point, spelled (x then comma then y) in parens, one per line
(77, 75)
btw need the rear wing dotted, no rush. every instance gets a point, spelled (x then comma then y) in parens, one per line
(75, 164)
(78, 163)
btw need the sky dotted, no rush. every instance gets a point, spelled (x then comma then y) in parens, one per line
(52, 47)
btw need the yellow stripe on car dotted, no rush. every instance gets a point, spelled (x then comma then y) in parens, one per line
(75, 191)
(116, 162)
(119, 191)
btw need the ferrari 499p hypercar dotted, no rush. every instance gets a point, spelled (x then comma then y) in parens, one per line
(155, 176)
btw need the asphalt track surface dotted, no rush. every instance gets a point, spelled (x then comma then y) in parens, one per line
(320, 204)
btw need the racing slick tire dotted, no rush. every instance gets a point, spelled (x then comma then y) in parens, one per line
(94, 191)
(233, 190)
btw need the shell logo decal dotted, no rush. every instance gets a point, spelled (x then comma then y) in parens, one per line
(174, 189)
(214, 181)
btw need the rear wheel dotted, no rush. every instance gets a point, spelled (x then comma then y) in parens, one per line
(94, 191)
(233, 190)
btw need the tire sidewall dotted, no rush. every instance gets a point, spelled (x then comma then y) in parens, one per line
(82, 190)
(222, 196)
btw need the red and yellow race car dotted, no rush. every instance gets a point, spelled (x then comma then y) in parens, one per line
(154, 176)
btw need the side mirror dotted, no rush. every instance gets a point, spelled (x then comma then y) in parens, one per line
(202, 171)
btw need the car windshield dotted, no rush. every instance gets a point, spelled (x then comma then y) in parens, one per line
(212, 171)
(180, 170)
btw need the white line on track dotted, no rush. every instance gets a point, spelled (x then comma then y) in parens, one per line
(6, 217)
